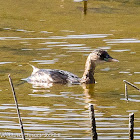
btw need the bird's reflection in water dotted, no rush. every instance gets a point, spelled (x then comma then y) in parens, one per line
(89, 93)
(41, 85)
(88, 90)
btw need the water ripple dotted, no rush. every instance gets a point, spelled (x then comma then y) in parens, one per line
(84, 36)
(124, 50)
(1, 63)
(46, 61)
(51, 43)
(127, 40)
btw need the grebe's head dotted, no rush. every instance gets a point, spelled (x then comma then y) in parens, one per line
(99, 56)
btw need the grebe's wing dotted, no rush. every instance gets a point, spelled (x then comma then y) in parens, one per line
(61, 76)
(54, 76)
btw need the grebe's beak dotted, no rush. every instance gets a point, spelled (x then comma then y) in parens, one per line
(110, 59)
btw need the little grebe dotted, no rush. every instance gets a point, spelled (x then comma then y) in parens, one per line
(61, 76)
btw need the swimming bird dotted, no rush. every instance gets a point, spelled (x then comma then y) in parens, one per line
(63, 77)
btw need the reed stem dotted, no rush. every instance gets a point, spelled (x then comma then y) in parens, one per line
(85, 7)
(93, 123)
(18, 112)
(131, 84)
(131, 126)
(126, 92)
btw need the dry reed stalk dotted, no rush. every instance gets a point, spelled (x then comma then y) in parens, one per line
(85, 6)
(18, 112)
(131, 126)
(93, 123)
(126, 92)
(131, 85)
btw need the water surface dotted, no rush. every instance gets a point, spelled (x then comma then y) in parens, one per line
(56, 34)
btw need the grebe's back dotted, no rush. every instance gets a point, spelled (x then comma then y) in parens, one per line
(52, 76)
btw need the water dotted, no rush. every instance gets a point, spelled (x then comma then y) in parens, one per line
(55, 34)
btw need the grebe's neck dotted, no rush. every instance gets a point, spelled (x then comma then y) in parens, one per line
(88, 76)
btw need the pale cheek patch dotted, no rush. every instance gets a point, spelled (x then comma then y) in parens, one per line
(99, 62)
